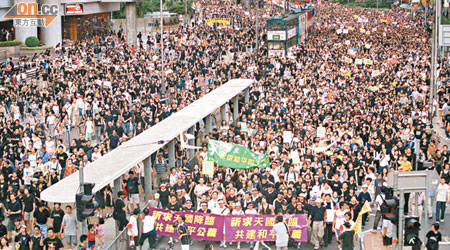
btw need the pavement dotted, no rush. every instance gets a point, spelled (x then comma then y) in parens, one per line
(372, 241)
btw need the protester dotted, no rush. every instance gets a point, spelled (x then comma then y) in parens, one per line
(347, 237)
(148, 230)
(433, 237)
(97, 93)
(281, 231)
(442, 198)
(69, 225)
(184, 234)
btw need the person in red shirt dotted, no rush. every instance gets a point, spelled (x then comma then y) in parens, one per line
(91, 237)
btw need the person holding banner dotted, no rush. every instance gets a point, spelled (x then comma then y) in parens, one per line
(317, 217)
(183, 232)
(221, 210)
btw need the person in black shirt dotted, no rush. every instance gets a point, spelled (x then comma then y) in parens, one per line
(120, 208)
(14, 212)
(317, 217)
(299, 209)
(29, 205)
(204, 208)
(164, 195)
(173, 204)
(52, 242)
(62, 159)
(37, 239)
(83, 242)
(433, 237)
(284, 208)
(183, 232)
(41, 216)
(347, 237)
(23, 239)
(57, 216)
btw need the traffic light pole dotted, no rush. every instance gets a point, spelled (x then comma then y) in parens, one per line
(400, 219)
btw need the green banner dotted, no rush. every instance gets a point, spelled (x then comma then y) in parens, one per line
(235, 156)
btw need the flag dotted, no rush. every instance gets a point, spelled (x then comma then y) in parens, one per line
(358, 223)
(235, 156)
(345, 72)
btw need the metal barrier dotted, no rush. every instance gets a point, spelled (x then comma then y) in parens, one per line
(121, 242)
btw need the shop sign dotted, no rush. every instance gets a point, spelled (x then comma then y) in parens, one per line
(276, 35)
(74, 9)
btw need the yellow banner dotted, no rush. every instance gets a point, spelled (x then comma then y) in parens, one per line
(358, 223)
(218, 20)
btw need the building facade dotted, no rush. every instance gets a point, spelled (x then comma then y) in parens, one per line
(77, 19)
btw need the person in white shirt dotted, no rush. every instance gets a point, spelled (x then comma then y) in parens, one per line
(214, 202)
(54, 165)
(27, 174)
(221, 210)
(133, 231)
(238, 211)
(442, 198)
(148, 229)
(387, 233)
(421, 201)
(282, 234)
(96, 155)
(378, 202)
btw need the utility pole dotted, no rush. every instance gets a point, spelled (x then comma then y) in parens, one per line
(436, 22)
(163, 85)
(257, 26)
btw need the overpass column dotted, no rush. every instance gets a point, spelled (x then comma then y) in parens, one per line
(222, 114)
(130, 10)
(236, 109)
(148, 176)
(247, 95)
(171, 146)
(117, 188)
(191, 152)
(208, 124)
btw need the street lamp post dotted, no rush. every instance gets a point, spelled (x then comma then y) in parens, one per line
(163, 86)
(436, 22)
(257, 26)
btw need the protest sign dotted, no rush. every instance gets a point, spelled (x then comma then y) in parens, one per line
(218, 20)
(202, 226)
(259, 227)
(208, 168)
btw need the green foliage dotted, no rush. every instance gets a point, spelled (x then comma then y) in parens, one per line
(382, 4)
(32, 41)
(10, 43)
(37, 48)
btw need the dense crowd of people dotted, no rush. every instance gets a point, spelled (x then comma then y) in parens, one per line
(354, 96)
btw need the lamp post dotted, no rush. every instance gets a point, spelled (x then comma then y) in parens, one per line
(436, 23)
(257, 26)
(163, 86)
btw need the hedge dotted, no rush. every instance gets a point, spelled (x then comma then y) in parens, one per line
(10, 43)
(32, 41)
(37, 48)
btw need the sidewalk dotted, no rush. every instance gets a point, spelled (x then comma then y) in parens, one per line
(375, 241)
